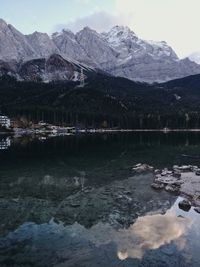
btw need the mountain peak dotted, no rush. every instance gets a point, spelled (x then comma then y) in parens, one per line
(119, 52)
(121, 28)
(2, 21)
(39, 33)
(119, 34)
(3, 24)
(87, 30)
(63, 33)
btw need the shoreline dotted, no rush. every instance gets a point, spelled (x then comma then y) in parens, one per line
(67, 131)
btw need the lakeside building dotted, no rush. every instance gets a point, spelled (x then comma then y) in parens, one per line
(4, 121)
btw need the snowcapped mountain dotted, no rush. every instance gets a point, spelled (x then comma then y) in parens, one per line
(195, 57)
(119, 52)
(126, 41)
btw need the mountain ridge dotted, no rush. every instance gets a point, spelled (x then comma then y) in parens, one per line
(119, 52)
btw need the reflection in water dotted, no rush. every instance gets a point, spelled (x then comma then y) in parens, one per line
(102, 213)
(151, 232)
(5, 143)
(157, 238)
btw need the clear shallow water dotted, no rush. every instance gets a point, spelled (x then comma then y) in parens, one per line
(73, 201)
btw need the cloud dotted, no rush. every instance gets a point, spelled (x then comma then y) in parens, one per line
(148, 19)
(174, 21)
(99, 21)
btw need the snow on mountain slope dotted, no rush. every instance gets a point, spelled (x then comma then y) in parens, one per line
(126, 41)
(119, 52)
(195, 57)
(146, 61)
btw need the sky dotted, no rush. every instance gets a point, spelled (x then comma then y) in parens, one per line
(174, 21)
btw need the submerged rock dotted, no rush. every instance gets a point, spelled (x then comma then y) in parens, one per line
(182, 179)
(177, 174)
(139, 168)
(197, 209)
(157, 172)
(172, 188)
(197, 172)
(157, 186)
(185, 168)
(185, 205)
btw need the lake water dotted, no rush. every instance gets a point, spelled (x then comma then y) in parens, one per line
(74, 201)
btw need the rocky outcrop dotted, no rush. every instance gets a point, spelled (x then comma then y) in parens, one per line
(182, 180)
(53, 68)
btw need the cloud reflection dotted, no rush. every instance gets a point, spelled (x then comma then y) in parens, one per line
(147, 233)
(152, 232)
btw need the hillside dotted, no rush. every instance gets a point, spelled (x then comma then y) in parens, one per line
(104, 101)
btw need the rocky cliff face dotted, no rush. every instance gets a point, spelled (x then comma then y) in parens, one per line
(42, 44)
(13, 44)
(119, 52)
(69, 47)
(53, 68)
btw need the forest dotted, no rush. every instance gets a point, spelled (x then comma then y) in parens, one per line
(105, 101)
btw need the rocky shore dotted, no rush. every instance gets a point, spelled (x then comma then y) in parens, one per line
(183, 181)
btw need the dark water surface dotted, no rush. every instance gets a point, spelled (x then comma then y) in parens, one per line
(74, 201)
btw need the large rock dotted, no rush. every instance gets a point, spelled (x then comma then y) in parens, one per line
(185, 205)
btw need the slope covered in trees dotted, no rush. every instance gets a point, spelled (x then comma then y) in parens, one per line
(105, 101)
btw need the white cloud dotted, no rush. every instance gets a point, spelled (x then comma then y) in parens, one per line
(99, 21)
(173, 21)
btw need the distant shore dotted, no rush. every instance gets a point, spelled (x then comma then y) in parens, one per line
(28, 131)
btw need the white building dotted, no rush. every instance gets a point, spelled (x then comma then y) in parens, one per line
(4, 121)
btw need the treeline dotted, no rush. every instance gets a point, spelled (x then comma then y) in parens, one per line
(105, 102)
(94, 120)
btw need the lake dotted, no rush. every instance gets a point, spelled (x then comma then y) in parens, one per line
(75, 201)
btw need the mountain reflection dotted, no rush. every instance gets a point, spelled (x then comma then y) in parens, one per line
(152, 232)
(147, 234)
